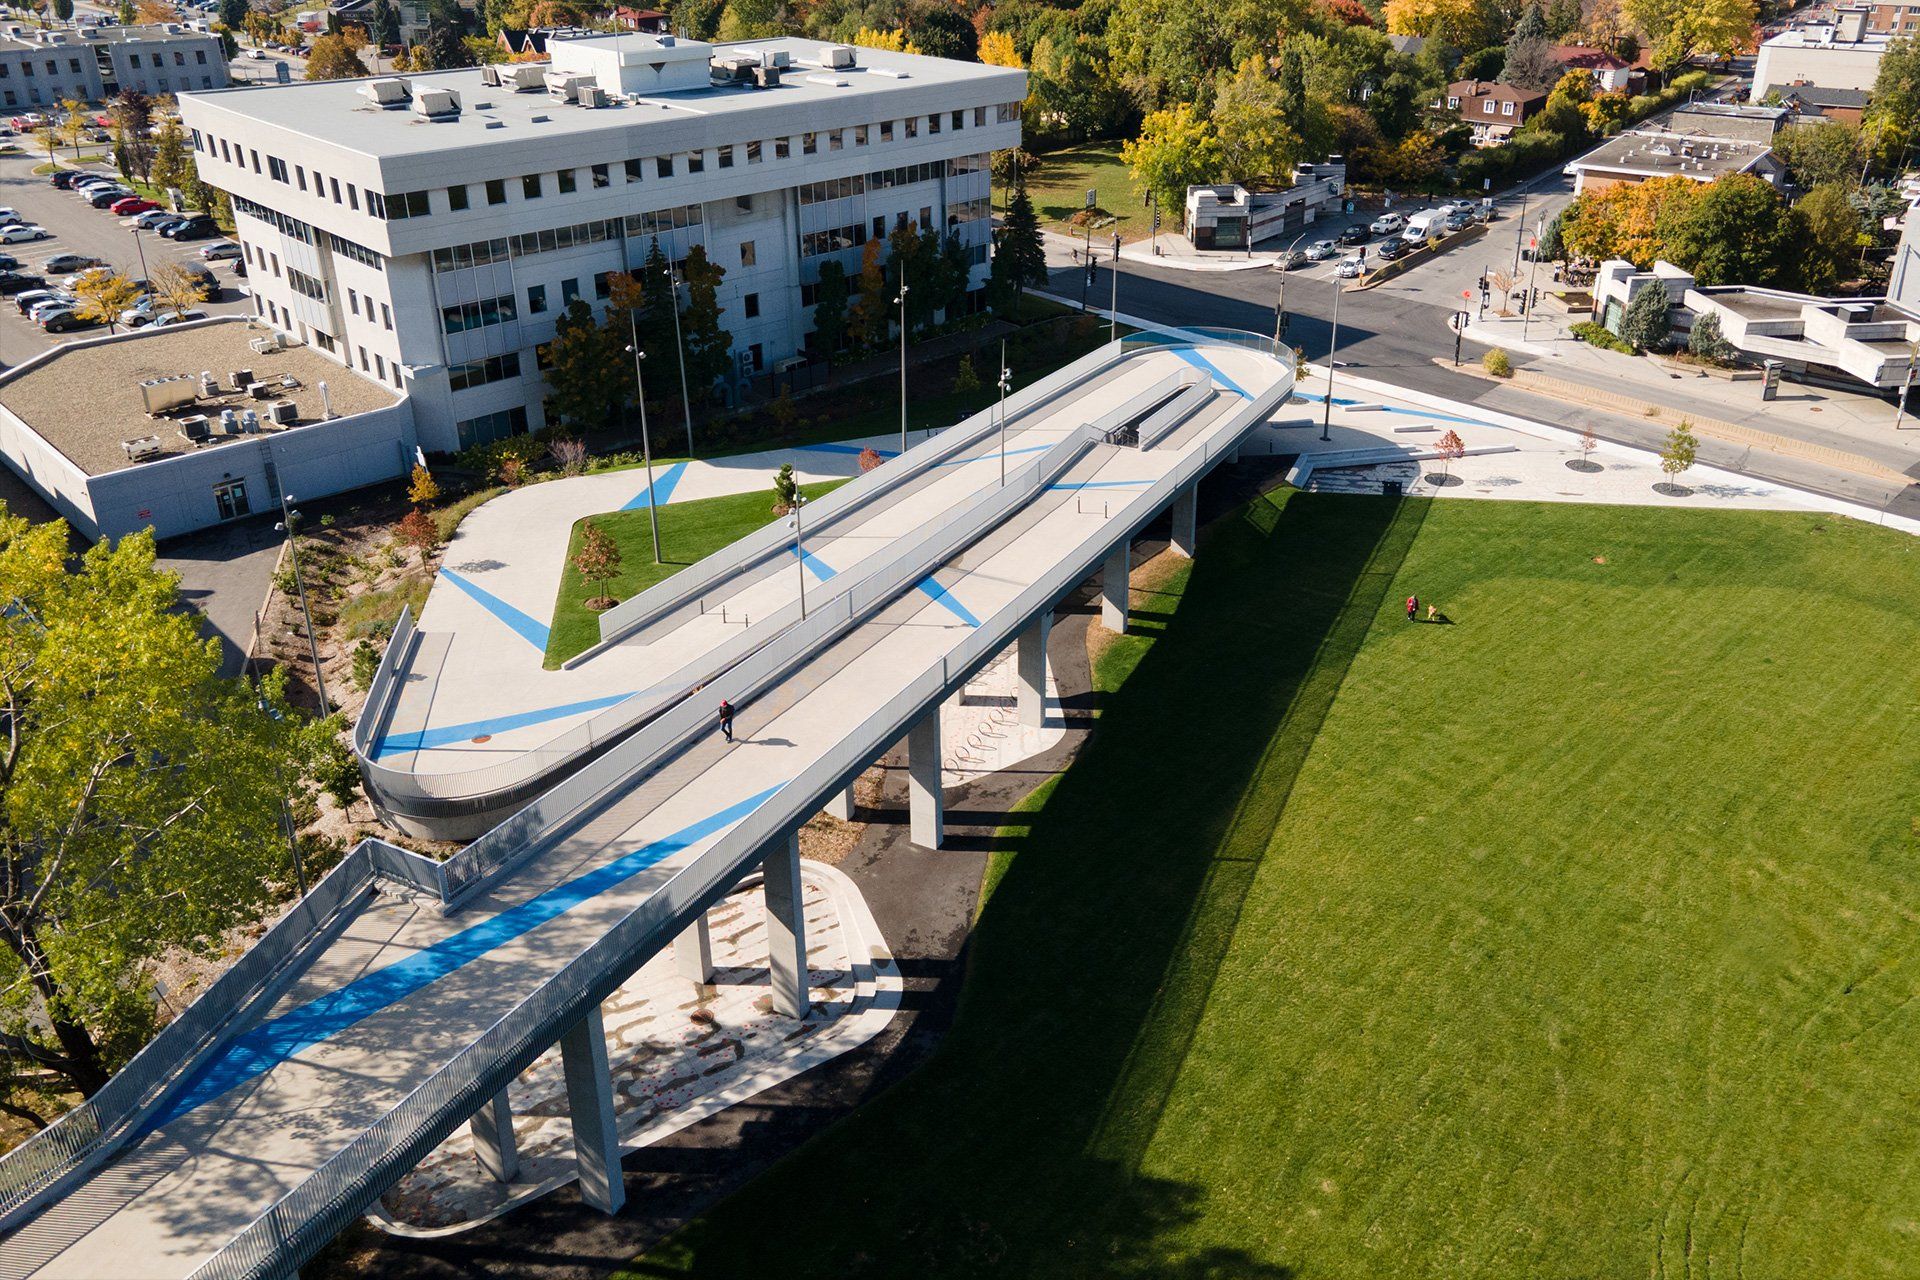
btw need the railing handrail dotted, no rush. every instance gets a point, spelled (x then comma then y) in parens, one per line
(384, 691)
(343, 1186)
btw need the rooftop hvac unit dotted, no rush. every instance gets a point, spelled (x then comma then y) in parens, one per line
(161, 394)
(436, 104)
(283, 413)
(250, 423)
(240, 379)
(837, 56)
(195, 429)
(766, 77)
(522, 77)
(209, 385)
(229, 422)
(490, 75)
(389, 91)
(565, 86)
(266, 346)
(592, 95)
(261, 390)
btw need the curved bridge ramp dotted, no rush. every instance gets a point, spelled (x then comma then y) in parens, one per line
(397, 1001)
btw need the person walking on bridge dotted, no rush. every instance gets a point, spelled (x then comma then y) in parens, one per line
(726, 719)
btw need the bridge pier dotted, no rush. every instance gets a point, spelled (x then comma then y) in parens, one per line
(786, 927)
(493, 1142)
(1185, 512)
(840, 804)
(596, 1138)
(1030, 657)
(1113, 588)
(1233, 456)
(693, 952)
(926, 803)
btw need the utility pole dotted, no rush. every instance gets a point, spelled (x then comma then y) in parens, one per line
(680, 349)
(1533, 274)
(1326, 417)
(289, 521)
(799, 548)
(1906, 384)
(902, 300)
(1006, 380)
(1519, 231)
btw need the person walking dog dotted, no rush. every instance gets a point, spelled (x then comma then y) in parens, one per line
(1413, 608)
(726, 719)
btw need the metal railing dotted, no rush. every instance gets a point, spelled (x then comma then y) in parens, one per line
(1177, 411)
(342, 1188)
(383, 694)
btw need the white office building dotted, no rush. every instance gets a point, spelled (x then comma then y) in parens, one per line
(429, 230)
(46, 67)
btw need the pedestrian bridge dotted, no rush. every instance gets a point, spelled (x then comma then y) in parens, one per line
(397, 1000)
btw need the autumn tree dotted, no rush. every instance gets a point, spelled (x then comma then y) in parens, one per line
(589, 372)
(416, 529)
(869, 459)
(872, 304)
(333, 58)
(1451, 449)
(1254, 137)
(1679, 452)
(1588, 443)
(1464, 24)
(176, 288)
(1177, 148)
(1826, 237)
(1676, 30)
(1891, 125)
(173, 166)
(140, 800)
(422, 488)
(597, 561)
(1821, 152)
(103, 296)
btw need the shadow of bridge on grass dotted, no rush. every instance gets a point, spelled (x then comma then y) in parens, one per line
(1018, 1148)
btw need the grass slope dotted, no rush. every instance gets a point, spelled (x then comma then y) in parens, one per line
(1573, 940)
(689, 531)
(1058, 187)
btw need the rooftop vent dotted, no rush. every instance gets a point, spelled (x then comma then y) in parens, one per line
(567, 86)
(831, 82)
(388, 92)
(436, 104)
(891, 73)
(522, 77)
(837, 56)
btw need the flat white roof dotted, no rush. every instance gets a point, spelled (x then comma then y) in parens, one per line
(336, 111)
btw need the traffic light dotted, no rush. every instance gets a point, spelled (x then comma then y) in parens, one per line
(1483, 282)
(1090, 270)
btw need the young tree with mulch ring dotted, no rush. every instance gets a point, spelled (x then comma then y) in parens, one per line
(598, 561)
(1679, 452)
(1451, 449)
(418, 530)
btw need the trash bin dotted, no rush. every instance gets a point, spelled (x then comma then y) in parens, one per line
(1390, 488)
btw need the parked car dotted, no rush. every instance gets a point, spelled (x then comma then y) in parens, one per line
(13, 282)
(10, 263)
(1460, 219)
(1320, 249)
(31, 298)
(198, 227)
(64, 321)
(21, 232)
(177, 317)
(62, 179)
(39, 312)
(131, 205)
(220, 252)
(151, 218)
(240, 268)
(73, 282)
(9, 216)
(140, 313)
(1355, 235)
(65, 264)
(106, 197)
(1350, 267)
(88, 181)
(1386, 224)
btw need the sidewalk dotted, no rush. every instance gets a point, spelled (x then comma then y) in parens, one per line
(1175, 253)
(1818, 418)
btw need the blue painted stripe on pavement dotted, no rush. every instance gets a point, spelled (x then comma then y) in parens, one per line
(988, 457)
(944, 598)
(255, 1052)
(1099, 484)
(445, 735)
(1194, 358)
(534, 633)
(663, 487)
(1387, 408)
(855, 449)
(821, 569)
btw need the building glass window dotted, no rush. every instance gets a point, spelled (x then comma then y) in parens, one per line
(696, 162)
(601, 178)
(568, 183)
(752, 305)
(633, 171)
(530, 186)
(748, 255)
(726, 157)
(496, 191)
(456, 198)
(663, 166)
(536, 299)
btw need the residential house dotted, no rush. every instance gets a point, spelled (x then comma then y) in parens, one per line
(1492, 110)
(1812, 102)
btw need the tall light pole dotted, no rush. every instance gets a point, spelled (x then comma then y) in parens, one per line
(1533, 274)
(141, 249)
(902, 300)
(1006, 380)
(680, 349)
(289, 521)
(1520, 231)
(1906, 384)
(646, 445)
(799, 548)
(1326, 417)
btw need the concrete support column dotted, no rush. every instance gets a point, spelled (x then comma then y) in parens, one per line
(1031, 659)
(493, 1144)
(596, 1140)
(840, 804)
(1113, 588)
(1185, 512)
(926, 804)
(693, 952)
(1233, 456)
(786, 927)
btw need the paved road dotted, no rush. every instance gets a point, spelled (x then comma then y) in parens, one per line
(1394, 333)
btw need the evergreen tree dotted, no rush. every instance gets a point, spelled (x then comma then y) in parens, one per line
(233, 13)
(830, 309)
(589, 375)
(383, 24)
(1646, 324)
(1019, 257)
(443, 50)
(709, 347)
(658, 330)
(956, 266)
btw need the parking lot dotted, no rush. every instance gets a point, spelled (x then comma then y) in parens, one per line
(77, 228)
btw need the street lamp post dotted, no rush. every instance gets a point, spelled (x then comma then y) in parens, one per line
(289, 521)
(1333, 346)
(680, 349)
(646, 444)
(141, 249)
(1006, 380)
(799, 547)
(902, 300)
(1113, 308)
(1906, 384)
(1280, 303)
(1520, 231)
(1533, 274)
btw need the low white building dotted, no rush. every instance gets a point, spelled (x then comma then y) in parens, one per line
(430, 230)
(1833, 55)
(45, 67)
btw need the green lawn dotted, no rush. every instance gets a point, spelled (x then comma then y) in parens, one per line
(689, 531)
(1058, 188)
(1573, 940)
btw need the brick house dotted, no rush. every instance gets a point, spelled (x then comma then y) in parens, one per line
(1492, 110)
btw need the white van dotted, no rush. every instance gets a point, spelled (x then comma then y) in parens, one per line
(1424, 226)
